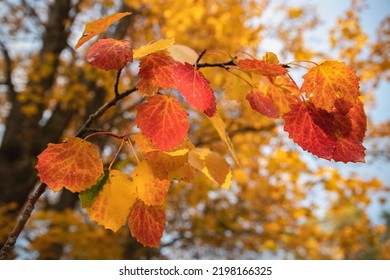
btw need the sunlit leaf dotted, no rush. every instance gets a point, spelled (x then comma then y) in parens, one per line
(156, 46)
(183, 54)
(150, 189)
(98, 26)
(329, 81)
(112, 205)
(74, 164)
(163, 121)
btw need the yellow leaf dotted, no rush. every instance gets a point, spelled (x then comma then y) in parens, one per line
(270, 57)
(112, 206)
(183, 54)
(220, 127)
(98, 26)
(150, 189)
(156, 46)
(212, 165)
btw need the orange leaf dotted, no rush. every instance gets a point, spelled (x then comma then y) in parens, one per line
(195, 88)
(150, 189)
(261, 67)
(112, 205)
(163, 121)
(262, 104)
(74, 164)
(329, 81)
(147, 223)
(328, 135)
(110, 54)
(155, 72)
(98, 26)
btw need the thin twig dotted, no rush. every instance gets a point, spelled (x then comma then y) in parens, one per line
(116, 85)
(220, 65)
(200, 57)
(102, 110)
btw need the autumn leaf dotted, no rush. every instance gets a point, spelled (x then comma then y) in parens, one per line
(88, 196)
(172, 164)
(327, 135)
(156, 46)
(195, 88)
(155, 72)
(150, 189)
(182, 53)
(283, 93)
(262, 104)
(112, 205)
(98, 26)
(110, 54)
(329, 81)
(270, 58)
(147, 223)
(74, 165)
(163, 121)
(261, 67)
(220, 127)
(212, 165)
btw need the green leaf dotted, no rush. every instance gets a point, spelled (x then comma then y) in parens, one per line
(87, 197)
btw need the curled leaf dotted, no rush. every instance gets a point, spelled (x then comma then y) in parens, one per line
(328, 135)
(98, 26)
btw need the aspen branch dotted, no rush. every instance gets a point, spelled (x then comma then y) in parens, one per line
(29, 206)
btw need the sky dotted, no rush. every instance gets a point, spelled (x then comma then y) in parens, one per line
(375, 12)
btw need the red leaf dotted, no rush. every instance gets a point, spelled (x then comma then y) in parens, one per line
(260, 67)
(147, 223)
(110, 54)
(74, 164)
(163, 121)
(327, 135)
(155, 72)
(330, 81)
(195, 88)
(262, 104)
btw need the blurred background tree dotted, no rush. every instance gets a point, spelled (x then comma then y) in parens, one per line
(283, 203)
